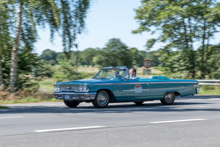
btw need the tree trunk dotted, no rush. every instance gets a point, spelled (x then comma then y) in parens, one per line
(186, 48)
(203, 51)
(185, 34)
(77, 54)
(1, 77)
(192, 53)
(14, 54)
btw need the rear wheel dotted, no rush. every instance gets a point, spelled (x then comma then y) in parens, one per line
(138, 103)
(168, 99)
(71, 104)
(101, 100)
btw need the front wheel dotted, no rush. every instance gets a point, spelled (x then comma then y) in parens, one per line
(168, 99)
(101, 100)
(71, 104)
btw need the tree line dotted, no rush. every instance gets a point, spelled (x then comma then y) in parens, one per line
(115, 53)
(181, 24)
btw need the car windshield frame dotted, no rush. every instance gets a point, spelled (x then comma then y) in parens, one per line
(108, 73)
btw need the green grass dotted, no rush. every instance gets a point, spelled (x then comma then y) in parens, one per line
(47, 84)
(209, 90)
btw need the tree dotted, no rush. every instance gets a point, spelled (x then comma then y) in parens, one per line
(153, 56)
(212, 61)
(209, 22)
(137, 57)
(65, 15)
(114, 54)
(181, 24)
(5, 40)
(48, 55)
(87, 56)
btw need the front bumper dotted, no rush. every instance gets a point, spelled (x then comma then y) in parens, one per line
(73, 96)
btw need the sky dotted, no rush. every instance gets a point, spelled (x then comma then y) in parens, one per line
(106, 19)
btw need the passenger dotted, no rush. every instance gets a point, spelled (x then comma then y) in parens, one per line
(133, 74)
(116, 74)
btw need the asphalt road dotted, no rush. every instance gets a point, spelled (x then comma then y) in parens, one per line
(190, 121)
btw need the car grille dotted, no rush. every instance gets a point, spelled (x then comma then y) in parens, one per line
(69, 88)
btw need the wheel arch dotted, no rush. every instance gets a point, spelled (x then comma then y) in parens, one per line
(111, 94)
(177, 93)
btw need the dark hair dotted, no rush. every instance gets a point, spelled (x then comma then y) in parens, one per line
(133, 70)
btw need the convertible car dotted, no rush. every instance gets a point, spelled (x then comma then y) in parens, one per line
(112, 84)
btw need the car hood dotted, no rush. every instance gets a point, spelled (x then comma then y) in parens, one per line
(87, 81)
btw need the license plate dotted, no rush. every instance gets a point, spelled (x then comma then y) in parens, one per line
(66, 97)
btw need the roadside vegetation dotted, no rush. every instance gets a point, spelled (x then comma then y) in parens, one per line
(209, 90)
(44, 93)
(28, 77)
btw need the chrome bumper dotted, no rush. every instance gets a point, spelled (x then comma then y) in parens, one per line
(73, 96)
(197, 90)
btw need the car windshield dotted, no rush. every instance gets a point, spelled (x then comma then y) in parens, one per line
(112, 73)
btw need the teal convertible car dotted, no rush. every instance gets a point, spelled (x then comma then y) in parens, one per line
(112, 84)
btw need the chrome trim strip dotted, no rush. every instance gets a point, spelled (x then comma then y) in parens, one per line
(72, 93)
(127, 83)
(106, 84)
(171, 88)
(134, 83)
(119, 83)
(134, 90)
(75, 96)
(169, 82)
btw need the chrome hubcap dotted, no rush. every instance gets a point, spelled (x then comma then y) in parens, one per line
(169, 97)
(102, 98)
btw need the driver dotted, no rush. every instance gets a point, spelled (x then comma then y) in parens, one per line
(133, 74)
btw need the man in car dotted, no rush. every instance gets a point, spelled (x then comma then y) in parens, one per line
(133, 74)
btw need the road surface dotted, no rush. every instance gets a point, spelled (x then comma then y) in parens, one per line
(190, 121)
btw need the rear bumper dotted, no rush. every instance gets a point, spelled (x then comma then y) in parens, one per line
(197, 90)
(73, 96)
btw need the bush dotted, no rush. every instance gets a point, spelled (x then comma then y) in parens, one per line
(66, 72)
(26, 83)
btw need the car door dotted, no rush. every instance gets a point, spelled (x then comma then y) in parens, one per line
(134, 90)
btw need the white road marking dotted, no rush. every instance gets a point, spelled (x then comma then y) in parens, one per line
(214, 99)
(68, 129)
(175, 121)
(11, 117)
(202, 106)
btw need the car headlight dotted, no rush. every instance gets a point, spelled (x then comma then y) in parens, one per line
(56, 88)
(83, 88)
